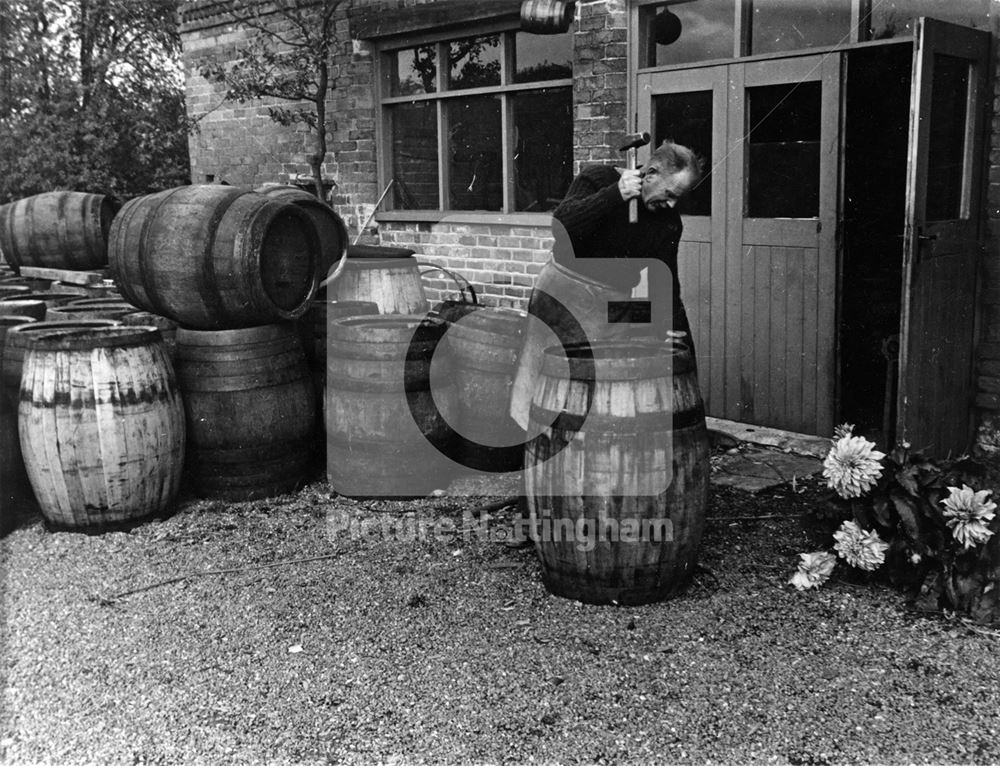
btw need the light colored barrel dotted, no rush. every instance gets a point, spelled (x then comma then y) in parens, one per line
(389, 277)
(101, 426)
(378, 442)
(251, 410)
(622, 456)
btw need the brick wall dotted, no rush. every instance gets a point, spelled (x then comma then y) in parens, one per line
(988, 361)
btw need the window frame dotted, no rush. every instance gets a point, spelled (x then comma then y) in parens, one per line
(507, 87)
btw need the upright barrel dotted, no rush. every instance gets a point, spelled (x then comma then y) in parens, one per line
(484, 348)
(167, 328)
(389, 277)
(59, 230)
(15, 490)
(384, 408)
(24, 307)
(20, 337)
(101, 426)
(215, 257)
(617, 477)
(251, 410)
(329, 226)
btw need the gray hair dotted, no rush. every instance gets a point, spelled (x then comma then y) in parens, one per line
(675, 158)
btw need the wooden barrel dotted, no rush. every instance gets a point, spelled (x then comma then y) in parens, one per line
(251, 410)
(329, 226)
(215, 257)
(546, 17)
(17, 341)
(389, 277)
(618, 493)
(75, 310)
(484, 348)
(59, 230)
(103, 289)
(15, 490)
(377, 442)
(33, 308)
(7, 291)
(167, 328)
(101, 426)
(50, 299)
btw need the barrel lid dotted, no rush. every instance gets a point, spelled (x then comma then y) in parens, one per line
(82, 338)
(378, 251)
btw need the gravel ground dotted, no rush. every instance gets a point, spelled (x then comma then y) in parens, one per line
(451, 651)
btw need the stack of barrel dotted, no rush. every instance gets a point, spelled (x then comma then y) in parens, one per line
(92, 428)
(235, 269)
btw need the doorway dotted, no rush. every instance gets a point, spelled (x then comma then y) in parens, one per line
(876, 122)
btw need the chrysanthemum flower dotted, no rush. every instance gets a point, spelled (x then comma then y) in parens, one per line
(969, 513)
(861, 549)
(853, 466)
(814, 570)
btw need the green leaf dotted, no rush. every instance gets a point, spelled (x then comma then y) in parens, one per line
(909, 519)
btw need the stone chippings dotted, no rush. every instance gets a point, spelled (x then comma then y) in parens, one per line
(451, 651)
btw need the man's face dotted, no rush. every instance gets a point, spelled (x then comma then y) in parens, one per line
(662, 189)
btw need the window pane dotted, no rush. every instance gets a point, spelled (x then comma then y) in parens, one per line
(779, 25)
(783, 151)
(474, 170)
(895, 18)
(413, 128)
(946, 156)
(413, 70)
(543, 148)
(706, 32)
(543, 57)
(474, 62)
(686, 118)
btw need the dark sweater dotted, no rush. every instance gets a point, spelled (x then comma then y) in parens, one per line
(594, 225)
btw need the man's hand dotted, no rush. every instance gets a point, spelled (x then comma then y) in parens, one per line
(630, 184)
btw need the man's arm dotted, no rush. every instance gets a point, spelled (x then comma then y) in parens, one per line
(593, 195)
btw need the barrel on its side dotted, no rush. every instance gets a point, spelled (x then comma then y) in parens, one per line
(547, 17)
(329, 226)
(59, 230)
(484, 348)
(251, 410)
(215, 257)
(378, 442)
(101, 426)
(617, 478)
(389, 277)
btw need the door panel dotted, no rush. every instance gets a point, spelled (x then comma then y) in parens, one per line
(941, 241)
(690, 107)
(758, 276)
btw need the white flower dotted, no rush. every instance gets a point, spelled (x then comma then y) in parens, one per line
(969, 513)
(852, 467)
(861, 549)
(814, 570)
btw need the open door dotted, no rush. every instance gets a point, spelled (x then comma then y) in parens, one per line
(942, 237)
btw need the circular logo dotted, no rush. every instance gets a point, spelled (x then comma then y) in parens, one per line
(484, 457)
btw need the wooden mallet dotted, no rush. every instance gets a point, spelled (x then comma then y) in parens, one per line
(632, 142)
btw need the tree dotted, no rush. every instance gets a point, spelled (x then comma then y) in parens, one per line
(288, 58)
(91, 97)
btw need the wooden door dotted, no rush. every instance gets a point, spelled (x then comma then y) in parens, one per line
(758, 261)
(690, 107)
(942, 236)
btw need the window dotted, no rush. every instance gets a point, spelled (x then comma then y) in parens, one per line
(946, 170)
(479, 122)
(783, 134)
(686, 118)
